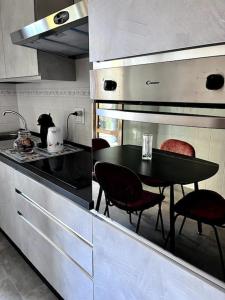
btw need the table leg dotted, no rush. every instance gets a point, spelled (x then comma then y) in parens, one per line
(172, 227)
(196, 186)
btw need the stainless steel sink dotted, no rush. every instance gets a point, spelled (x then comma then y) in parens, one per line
(8, 136)
(7, 139)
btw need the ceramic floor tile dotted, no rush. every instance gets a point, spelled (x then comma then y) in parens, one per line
(17, 278)
(42, 292)
(10, 258)
(3, 274)
(24, 278)
(8, 291)
(3, 242)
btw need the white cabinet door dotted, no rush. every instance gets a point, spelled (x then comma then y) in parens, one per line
(66, 211)
(135, 27)
(2, 59)
(70, 244)
(19, 61)
(127, 266)
(8, 213)
(61, 272)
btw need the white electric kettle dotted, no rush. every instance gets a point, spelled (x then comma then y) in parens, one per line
(54, 140)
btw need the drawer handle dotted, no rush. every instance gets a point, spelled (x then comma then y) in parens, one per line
(52, 217)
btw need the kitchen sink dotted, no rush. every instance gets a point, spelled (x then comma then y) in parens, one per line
(7, 139)
(5, 136)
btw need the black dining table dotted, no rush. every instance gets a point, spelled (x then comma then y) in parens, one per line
(165, 166)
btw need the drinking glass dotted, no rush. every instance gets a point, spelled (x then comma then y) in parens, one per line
(147, 146)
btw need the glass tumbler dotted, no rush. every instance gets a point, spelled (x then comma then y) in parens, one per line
(147, 146)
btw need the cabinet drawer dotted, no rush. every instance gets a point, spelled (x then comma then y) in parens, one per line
(73, 246)
(65, 276)
(73, 216)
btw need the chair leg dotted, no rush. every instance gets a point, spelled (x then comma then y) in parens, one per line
(130, 217)
(159, 216)
(106, 211)
(106, 208)
(157, 221)
(163, 189)
(182, 188)
(161, 221)
(220, 250)
(99, 199)
(182, 225)
(199, 228)
(139, 220)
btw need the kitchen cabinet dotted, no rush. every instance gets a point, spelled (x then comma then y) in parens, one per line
(19, 61)
(60, 238)
(58, 268)
(65, 210)
(23, 64)
(53, 233)
(2, 58)
(8, 213)
(128, 266)
(129, 28)
(69, 242)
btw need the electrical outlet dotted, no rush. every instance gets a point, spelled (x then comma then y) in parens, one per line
(80, 119)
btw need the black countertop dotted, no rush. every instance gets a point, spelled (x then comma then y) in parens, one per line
(70, 175)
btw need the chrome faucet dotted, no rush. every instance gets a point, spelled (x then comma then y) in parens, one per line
(19, 115)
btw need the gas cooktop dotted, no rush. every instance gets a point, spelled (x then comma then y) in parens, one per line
(37, 153)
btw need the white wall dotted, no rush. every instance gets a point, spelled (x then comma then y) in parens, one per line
(8, 101)
(59, 99)
(133, 131)
(209, 144)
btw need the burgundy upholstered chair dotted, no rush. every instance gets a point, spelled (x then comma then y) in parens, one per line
(123, 189)
(204, 206)
(175, 146)
(98, 144)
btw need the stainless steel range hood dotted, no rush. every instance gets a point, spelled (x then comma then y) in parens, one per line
(64, 32)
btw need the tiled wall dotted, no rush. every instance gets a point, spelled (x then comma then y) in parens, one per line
(59, 99)
(8, 101)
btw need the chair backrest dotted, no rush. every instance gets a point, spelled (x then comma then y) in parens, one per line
(98, 144)
(178, 146)
(120, 184)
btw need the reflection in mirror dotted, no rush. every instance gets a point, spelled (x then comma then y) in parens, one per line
(194, 243)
